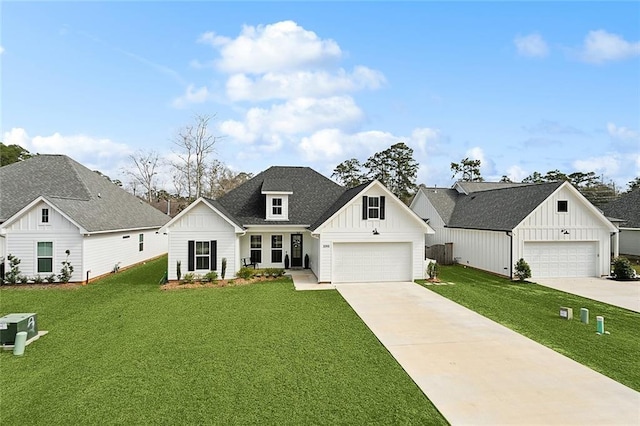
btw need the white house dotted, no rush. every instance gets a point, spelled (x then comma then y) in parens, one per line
(50, 204)
(557, 231)
(296, 214)
(626, 211)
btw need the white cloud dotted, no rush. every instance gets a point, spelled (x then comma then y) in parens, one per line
(297, 116)
(281, 47)
(601, 46)
(622, 133)
(1, 50)
(532, 46)
(516, 173)
(241, 87)
(609, 165)
(192, 96)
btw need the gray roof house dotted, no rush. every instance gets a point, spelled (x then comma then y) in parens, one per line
(490, 225)
(626, 211)
(51, 204)
(295, 217)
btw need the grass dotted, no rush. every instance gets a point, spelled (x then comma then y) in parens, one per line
(533, 310)
(121, 351)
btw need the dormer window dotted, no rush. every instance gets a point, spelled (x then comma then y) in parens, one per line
(276, 206)
(44, 217)
(563, 206)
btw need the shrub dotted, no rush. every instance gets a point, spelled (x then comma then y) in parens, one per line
(189, 278)
(14, 270)
(50, 278)
(622, 269)
(210, 277)
(245, 273)
(22, 279)
(67, 269)
(432, 270)
(38, 279)
(178, 269)
(522, 270)
(224, 267)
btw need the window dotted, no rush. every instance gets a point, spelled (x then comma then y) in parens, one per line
(374, 208)
(563, 206)
(45, 257)
(276, 206)
(44, 218)
(256, 248)
(141, 242)
(276, 248)
(202, 254)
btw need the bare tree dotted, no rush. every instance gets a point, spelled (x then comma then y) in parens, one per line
(195, 144)
(221, 179)
(144, 171)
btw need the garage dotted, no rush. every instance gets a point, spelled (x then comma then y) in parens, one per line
(372, 262)
(561, 258)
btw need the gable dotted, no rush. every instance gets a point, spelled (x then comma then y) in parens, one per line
(31, 219)
(201, 215)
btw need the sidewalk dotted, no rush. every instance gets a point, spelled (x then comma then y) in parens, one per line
(304, 279)
(476, 371)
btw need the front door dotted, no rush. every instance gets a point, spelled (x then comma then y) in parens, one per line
(296, 250)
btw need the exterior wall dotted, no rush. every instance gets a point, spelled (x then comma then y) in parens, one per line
(348, 226)
(307, 244)
(22, 237)
(486, 250)
(314, 251)
(102, 252)
(546, 224)
(202, 224)
(423, 208)
(629, 241)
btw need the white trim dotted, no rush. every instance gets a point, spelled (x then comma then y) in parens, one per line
(31, 205)
(191, 206)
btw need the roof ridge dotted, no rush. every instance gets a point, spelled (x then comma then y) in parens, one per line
(74, 165)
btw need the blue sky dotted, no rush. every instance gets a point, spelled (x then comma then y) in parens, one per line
(521, 86)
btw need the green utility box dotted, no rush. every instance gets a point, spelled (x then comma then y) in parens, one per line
(12, 324)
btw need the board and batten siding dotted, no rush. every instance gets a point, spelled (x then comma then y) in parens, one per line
(348, 226)
(630, 241)
(581, 223)
(202, 224)
(423, 208)
(104, 251)
(22, 237)
(487, 250)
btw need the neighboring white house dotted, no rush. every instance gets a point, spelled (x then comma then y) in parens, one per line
(343, 235)
(557, 231)
(50, 204)
(626, 211)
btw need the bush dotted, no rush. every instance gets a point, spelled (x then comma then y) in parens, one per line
(67, 270)
(189, 278)
(23, 279)
(522, 270)
(432, 270)
(224, 267)
(14, 271)
(622, 269)
(178, 269)
(50, 278)
(210, 277)
(38, 279)
(245, 273)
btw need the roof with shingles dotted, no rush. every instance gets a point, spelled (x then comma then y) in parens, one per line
(470, 187)
(312, 195)
(346, 196)
(627, 208)
(499, 209)
(90, 200)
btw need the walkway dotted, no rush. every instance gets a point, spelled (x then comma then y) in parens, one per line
(476, 371)
(305, 279)
(625, 294)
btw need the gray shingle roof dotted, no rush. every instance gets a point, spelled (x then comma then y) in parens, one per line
(346, 196)
(627, 207)
(312, 195)
(470, 187)
(86, 197)
(277, 185)
(493, 209)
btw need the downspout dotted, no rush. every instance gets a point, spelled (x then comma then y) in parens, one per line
(510, 235)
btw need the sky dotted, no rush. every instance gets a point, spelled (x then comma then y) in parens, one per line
(522, 86)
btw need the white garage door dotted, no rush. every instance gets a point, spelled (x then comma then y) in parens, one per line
(371, 262)
(561, 258)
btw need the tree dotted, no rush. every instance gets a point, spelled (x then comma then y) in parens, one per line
(10, 154)
(144, 171)
(195, 144)
(580, 179)
(535, 177)
(555, 176)
(506, 179)
(395, 168)
(469, 170)
(221, 179)
(349, 173)
(634, 184)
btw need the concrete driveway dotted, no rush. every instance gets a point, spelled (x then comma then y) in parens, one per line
(625, 294)
(478, 372)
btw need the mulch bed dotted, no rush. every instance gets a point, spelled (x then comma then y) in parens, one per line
(178, 285)
(44, 286)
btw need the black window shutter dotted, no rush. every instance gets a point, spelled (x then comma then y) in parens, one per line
(365, 207)
(213, 254)
(191, 255)
(382, 207)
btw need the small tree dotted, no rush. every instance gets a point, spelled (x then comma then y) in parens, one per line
(67, 270)
(179, 269)
(432, 270)
(522, 270)
(14, 270)
(622, 269)
(224, 267)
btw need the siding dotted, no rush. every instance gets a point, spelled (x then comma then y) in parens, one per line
(423, 208)
(487, 250)
(348, 226)
(202, 224)
(630, 241)
(307, 245)
(104, 251)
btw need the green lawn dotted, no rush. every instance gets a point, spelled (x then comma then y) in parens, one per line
(533, 310)
(123, 351)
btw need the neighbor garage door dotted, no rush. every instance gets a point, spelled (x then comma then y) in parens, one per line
(561, 258)
(371, 262)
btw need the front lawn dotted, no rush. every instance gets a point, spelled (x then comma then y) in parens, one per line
(533, 310)
(123, 351)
